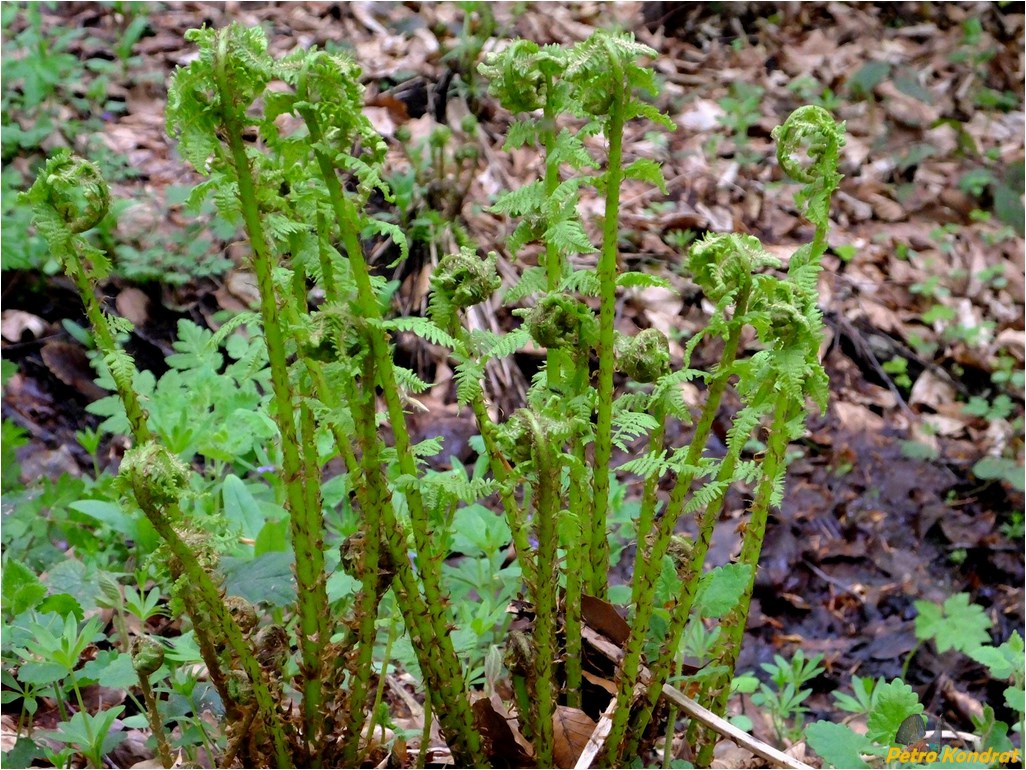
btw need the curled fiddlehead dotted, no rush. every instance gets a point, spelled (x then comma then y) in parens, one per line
(519, 75)
(645, 357)
(465, 279)
(724, 263)
(68, 198)
(561, 321)
(814, 128)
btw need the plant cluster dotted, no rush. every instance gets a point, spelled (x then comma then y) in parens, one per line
(895, 718)
(313, 379)
(54, 97)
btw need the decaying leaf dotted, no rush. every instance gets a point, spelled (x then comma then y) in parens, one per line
(571, 729)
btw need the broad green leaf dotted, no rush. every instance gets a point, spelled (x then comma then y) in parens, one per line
(720, 590)
(109, 513)
(895, 702)
(274, 536)
(838, 745)
(955, 625)
(1003, 661)
(267, 578)
(21, 589)
(240, 507)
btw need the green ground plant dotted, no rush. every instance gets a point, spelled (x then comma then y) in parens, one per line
(895, 717)
(313, 380)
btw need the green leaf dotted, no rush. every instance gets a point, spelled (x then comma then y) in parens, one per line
(720, 589)
(633, 279)
(470, 530)
(109, 513)
(273, 537)
(21, 589)
(1005, 661)
(957, 625)
(240, 507)
(77, 579)
(1015, 697)
(63, 605)
(1000, 468)
(112, 669)
(868, 77)
(620, 595)
(838, 745)
(895, 702)
(267, 578)
(646, 170)
(25, 750)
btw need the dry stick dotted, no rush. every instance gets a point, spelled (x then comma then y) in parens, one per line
(693, 710)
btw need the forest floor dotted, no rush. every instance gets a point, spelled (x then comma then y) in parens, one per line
(909, 487)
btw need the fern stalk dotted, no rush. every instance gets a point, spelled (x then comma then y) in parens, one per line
(729, 645)
(546, 513)
(607, 272)
(306, 524)
(441, 666)
(645, 577)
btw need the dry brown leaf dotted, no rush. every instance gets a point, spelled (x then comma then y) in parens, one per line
(857, 418)
(14, 324)
(134, 305)
(887, 209)
(571, 729)
(69, 364)
(905, 109)
(931, 391)
(8, 733)
(503, 741)
(603, 617)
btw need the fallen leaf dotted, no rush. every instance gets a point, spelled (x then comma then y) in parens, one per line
(14, 324)
(603, 617)
(571, 729)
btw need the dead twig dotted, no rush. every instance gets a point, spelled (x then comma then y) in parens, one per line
(697, 712)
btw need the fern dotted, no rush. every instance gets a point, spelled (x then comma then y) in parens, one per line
(628, 426)
(424, 329)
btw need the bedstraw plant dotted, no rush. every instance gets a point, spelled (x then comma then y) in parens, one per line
(287, 152)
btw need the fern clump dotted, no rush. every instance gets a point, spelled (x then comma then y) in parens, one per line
(327, 372)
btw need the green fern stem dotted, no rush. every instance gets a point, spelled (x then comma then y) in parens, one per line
(515, 517)
(553, 262)
(358, 662)
(374, 498)
(729, 644)
(607, 272)
(649, 499)
(306, 524)
(514, 514)
(575, 579)
(647, 569)
(436, 653)
(220, 618)
(105, 342)
(546, 514)
(668, 658)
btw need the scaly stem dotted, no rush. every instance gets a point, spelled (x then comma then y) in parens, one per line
(436, 653)
(209, 599)
(647, 570)
(305, 519)
(751, 548)
(156, 724)
(574, 584)
(681, 613)
(547, 469)
(607, 272)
